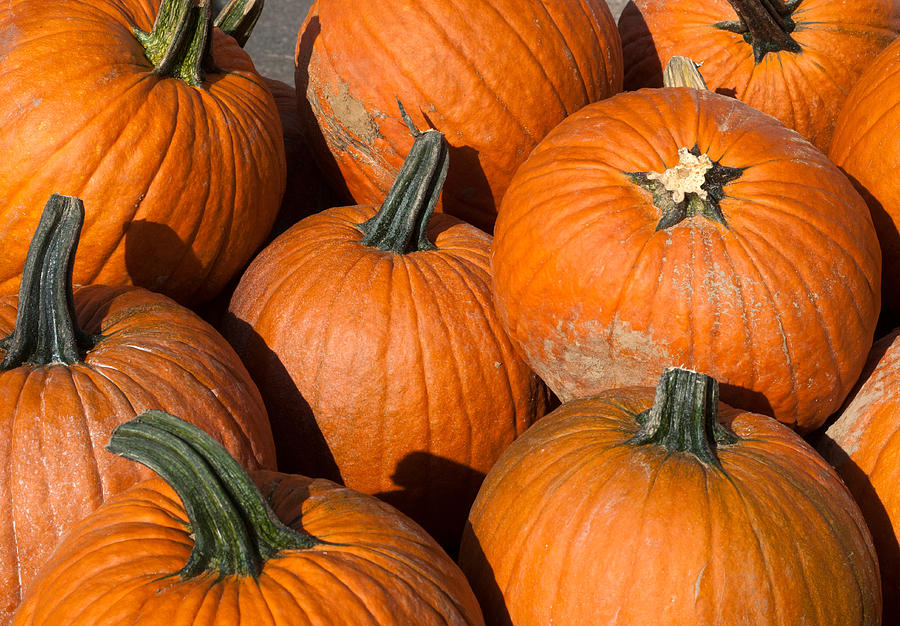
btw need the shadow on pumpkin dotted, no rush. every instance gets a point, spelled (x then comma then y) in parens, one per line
(437, 493)
(157, 259)
(877, 519)
(889, 240)
(642, 65)
(300, 445)
(746, 399)
(483, 582)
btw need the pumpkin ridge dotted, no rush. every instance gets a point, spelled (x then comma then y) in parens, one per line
(487, 87)
(769, 297)
(813, 507)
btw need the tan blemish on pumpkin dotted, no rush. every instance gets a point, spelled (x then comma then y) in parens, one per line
(351, 114)
(686, 177)
(586, 359)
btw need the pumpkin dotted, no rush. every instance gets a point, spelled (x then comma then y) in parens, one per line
(76, 363)
(208, 543)
(795, 60)
(382, 363)
(862, 443)
(865, 148)
(667, 507)
(494, 86)
(163, 129)
(677, 225)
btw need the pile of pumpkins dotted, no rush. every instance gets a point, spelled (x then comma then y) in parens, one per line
(439, 334)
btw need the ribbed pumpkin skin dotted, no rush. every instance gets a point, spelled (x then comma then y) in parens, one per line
(572, 526)
(389, 371)
(805, 91)
(494, 86)
(865, 148)
(780, 306)
(55, 420)
(380, 568)
(864, 445)
(181, 184)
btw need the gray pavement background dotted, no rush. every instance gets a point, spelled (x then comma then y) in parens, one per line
(272, 44)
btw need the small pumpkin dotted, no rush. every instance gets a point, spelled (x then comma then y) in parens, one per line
(667, 507)
(75, 364)
(163, 128)
(677, 225)
(208, 543)
(793, 59)
(863, 443)
(865, 147)
(494, 86)
(372, 335)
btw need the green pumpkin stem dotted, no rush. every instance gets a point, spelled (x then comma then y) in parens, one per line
(684, 416)
(402, 221)
(178, 45)
(765, 24)
(238, 17)
(235, 531)
(46, 328)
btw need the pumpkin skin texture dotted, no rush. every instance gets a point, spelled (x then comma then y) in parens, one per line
(762, 532)
(387, 370)
(812, 63)
(146, 351)
(865, 148)
(182, 183)
(863, 444)
(493, 85)
(358, 561)
(771, 284)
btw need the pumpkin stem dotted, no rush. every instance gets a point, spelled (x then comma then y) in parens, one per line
(683, 72)
(235, 531)
(178, 46)
(764, 24)
(238, 17)
(694, 187)
(684, 416)
(401, 222)
(46, 329)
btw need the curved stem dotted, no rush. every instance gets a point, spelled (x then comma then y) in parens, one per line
(178, 45)
(765, 24)
(238, 17)
(46, 329)
(401, 223)
(235, 531)
(684, 416)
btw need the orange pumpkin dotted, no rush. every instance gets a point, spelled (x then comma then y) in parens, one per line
(494, 86)
(635, 507)
(74, 366)
(863, 443)
(175, 149)
(675, 225)
(866, 149)
(371, 333)
(793, 59)
(209, 544)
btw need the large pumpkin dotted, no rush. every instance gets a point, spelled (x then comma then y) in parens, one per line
(208, 544)
(372, 335)
(677, 225)
(795, 60)
(493, 75)
(863, 444)
(73, 367)
(168, 134)
(865, 147)
(635, 507)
